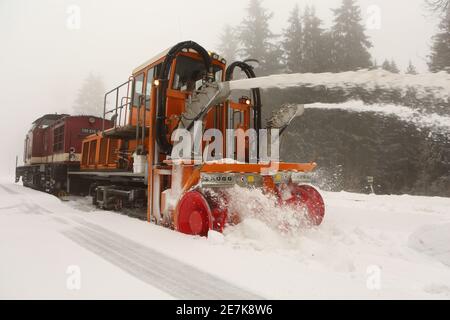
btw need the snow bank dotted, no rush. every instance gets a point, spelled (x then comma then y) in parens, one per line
(433, 240)
(360, 234)
(37, 260)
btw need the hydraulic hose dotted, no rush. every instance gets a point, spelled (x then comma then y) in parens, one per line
(161, 128)
(248, 70)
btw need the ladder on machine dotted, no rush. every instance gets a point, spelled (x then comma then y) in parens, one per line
(120, 114)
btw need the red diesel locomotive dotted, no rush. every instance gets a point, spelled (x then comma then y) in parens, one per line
(52, 147)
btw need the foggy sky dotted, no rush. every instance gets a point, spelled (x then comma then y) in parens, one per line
(43, 62)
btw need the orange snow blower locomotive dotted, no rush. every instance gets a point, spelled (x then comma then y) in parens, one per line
(130, 162)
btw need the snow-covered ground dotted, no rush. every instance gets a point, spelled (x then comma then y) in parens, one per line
(367, 247)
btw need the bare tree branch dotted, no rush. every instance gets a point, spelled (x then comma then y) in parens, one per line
(438, 5)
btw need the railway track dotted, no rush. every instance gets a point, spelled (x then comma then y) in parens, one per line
(167, 274)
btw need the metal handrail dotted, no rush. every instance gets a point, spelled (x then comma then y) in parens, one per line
(123, 110)
(117, 110)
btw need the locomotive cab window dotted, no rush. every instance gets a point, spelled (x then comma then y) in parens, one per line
(189, 74)
(148, 87)
(138, 89)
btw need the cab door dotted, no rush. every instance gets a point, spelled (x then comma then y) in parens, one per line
(137, 100)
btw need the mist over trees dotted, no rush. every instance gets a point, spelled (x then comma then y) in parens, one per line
(229, 43)
(390, 66)
(439, 59)
(348, 146)
(257, 40)
(304, 45)
(438, 5)
(351, 44)
(89, 99)
(411, 69)
(293, 42)
(316, 53)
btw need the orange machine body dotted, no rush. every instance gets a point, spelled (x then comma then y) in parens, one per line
(166, 181)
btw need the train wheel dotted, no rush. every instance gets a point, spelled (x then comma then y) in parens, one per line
(307, 196)
(193, 214)
(218, 203)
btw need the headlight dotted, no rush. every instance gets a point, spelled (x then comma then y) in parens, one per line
(281, 177)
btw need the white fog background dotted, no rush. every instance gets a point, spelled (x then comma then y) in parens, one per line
(43, 62)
